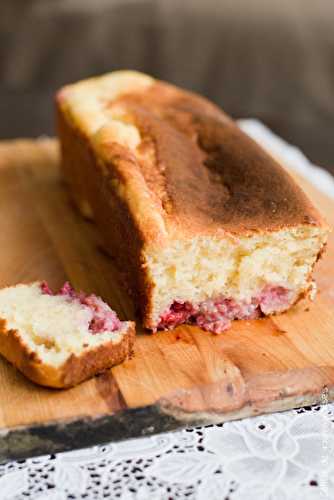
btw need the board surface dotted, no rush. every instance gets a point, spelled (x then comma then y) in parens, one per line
(176, 378)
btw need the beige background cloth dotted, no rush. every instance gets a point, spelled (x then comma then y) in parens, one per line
(270, 59)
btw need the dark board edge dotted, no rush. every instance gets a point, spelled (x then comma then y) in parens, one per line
(44, 439)
(59, 436)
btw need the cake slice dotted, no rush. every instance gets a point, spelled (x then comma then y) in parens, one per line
(60, 339)
(207, 226)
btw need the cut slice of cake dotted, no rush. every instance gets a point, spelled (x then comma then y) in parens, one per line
(60, 339)
(207, 226)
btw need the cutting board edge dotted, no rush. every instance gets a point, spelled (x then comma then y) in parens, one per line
(71, 434)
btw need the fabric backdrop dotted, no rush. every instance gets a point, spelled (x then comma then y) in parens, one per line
(262, 58)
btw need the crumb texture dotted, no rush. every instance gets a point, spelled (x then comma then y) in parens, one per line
(54, 326)
(240, 270)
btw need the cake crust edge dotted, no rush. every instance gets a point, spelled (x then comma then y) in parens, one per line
(75, 369)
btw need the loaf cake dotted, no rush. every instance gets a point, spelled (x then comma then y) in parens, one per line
(206, 225)
(60, 339)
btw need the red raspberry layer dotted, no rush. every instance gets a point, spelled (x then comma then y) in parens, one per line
(216, 315)
(104, 318)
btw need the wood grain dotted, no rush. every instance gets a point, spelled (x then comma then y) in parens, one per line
(175, 378)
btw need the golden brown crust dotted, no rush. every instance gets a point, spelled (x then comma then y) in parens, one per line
(121, 237)
(194, 171)
(208, 174)
(75, 370)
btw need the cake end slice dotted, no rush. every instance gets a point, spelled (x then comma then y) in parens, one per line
(60, 339)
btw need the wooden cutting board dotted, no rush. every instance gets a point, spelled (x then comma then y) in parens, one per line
(176, 378)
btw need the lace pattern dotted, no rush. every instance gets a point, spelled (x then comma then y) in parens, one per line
(283, 456)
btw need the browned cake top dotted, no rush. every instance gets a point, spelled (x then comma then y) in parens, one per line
(202, 173)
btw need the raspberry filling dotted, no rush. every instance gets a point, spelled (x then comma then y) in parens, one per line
(104, 319)
(215, 315)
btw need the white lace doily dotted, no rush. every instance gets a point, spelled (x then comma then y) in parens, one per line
(283, 456)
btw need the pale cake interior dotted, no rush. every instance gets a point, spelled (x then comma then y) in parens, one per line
(239, 268)
(52, 326)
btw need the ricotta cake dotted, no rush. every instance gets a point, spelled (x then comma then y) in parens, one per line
(205, 224)
(60, 339)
